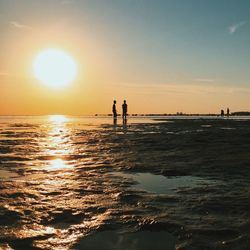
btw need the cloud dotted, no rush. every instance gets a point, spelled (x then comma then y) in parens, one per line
(18, 25)
(204, 80)
(235, 90)
(65, 2)
(183, 89)
(233, 28)
(2, 73)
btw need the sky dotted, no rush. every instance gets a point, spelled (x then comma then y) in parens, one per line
(162, 56)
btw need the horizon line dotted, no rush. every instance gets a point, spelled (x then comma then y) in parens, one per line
(131, 115)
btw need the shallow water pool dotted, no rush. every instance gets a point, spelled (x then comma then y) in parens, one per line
(163, 185)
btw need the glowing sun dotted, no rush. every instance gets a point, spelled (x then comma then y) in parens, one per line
(54, 67)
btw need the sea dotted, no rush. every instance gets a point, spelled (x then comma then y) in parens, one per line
(90, 182)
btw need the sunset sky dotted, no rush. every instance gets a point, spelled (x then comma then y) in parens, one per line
(162, 56)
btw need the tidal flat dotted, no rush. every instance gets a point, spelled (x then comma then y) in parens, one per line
(85, 183)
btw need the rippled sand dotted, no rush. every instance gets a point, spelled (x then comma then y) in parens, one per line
(61, 183)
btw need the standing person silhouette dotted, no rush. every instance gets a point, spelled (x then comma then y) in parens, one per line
(114, 112)
(124, 110)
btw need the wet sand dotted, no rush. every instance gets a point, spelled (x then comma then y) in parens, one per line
(71, 184)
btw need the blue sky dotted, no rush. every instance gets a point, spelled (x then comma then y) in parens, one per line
(181, 42)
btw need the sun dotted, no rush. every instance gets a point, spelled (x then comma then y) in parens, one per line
(55, 68)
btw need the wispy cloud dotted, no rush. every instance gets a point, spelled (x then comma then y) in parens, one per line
(233, 28)
(207, 80)
(65, 2)
(2, 73)
(18, 25)
(183, 89)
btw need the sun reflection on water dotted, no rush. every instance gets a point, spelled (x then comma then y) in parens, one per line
(58, 118)
(58, 164)
(57, 142)
(57, 145)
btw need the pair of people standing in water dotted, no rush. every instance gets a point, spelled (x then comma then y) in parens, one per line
(124, 110)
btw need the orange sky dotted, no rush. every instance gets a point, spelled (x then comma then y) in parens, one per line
(121, 54)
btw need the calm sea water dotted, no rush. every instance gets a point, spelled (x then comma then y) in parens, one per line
(61, 182)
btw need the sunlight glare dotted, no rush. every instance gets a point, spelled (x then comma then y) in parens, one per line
(58, 118)
(58, 164)
(55, 68)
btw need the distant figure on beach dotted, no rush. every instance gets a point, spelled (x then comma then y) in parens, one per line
(124, 110)
(222, 113)
(114, 113)
(228, 112)
(114, 110)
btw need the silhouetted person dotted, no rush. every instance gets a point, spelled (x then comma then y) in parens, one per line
(228, 112)
(124, 110)
(114, 109)
(114, 113)
(222, 113)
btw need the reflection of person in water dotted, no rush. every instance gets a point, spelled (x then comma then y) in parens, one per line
(115, 121)
(124, 110)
